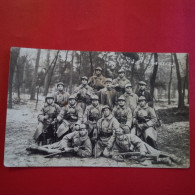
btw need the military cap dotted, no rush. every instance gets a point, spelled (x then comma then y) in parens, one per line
(141, 98)
(108, 80)
(72, 97)
(104, 107)
(98, 68)
(60, 83)
(119, 131)
(94, 97)
(122, 98)
(49, 96)
(142, 83)
(83, 126)
(128, 85)
(84, 78)
(121, 70)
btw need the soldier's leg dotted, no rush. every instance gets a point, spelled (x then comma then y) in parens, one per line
(38, 131)
(62, 129)
(150, 136)
(98, 149)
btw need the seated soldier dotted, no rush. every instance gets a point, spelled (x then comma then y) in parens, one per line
(92, 114)
(83, 93)
(105, 128)
(129, 144)
(68, 116)
(144, 120)
(61, 97)
(47, 121)
(123, 114)
(77, 142)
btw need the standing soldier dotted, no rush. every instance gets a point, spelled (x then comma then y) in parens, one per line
(130, 97)
(105, 129)
(123, 114)
(144, 120)
(97, 80)
(47, 121)
(108, 95)
(92, 114)
(83, 93)
(68, 116)
(142, 92)
(61, 97)
(111, 71)
(120, 82)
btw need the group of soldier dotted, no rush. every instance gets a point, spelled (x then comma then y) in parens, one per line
(103, 116)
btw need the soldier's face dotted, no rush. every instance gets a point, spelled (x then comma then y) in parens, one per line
(95, 102)
(112, 66)
(84, 81)
(49, 101)
(72, 101)
(121, 74)
(142, 87)
(142, 103)
(108, 84)
(60, 87)
(83, 132)
(97, 72)
(76, 127)
(128, 89)
(106, 112)
(121, 102)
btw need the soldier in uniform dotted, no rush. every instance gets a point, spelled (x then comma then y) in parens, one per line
(121, 143)
(68, 116)
(120, 82)
(142, 92)
(76, 142)
(83, 93)
(97, 80)
(92, 114)
(130, 97)
(108, 95)
(144, 120)
(61, 97)
(111, 71)
(105, 128)
(47, 121)
(123, 114)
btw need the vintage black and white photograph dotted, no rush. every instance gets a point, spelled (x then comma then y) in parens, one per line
(97, 109)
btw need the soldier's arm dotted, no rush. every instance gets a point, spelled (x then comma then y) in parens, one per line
(153, 117)
(86, 149)
(41, 116)
(115, 124)
(86, 114)
(135, 116)
(80, 113)
(61, 114)
(65, 140)
(129, 118)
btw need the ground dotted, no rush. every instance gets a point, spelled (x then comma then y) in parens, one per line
(173, 137)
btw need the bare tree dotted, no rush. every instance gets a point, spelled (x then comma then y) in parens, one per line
(71, 72)
(170, 81)
(91, 62)
(13, 62)
(33, 88)
(46, 81)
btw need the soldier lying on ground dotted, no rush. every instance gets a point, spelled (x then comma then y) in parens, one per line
(46, 128)
(68, 116)
(76, 142)
(105, 128)
(61, 97)
(123, 145)
(83, 93)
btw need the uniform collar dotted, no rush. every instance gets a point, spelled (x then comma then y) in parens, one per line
(128, 94)
(119, 107)
(145, 107)
(58, 92)
(109, 117)
(71, 106)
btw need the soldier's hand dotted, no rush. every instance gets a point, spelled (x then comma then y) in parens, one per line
(76, 149)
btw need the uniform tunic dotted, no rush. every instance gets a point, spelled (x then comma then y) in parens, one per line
(97, 82)
(147, 95)
(61, 98)
(131, 100)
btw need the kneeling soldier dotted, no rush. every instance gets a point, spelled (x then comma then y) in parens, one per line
(144, 120)
(123, 114)
(105, 128)
(69, 115)
(92, 114)
(47, 121)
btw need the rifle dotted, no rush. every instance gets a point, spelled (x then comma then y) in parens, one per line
(137, 154)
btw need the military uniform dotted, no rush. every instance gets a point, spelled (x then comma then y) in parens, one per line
(145, 120)
(61, 98)
(83, 95)
(48, 113)
(108, 97)
(124, 116)
(105, 128)
(69, 115)
(131, 100)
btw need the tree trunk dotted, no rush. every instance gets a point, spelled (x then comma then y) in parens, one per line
(170, 82)
(91, 62)
(71, 71)
(180, 95)
(186, 80)
(154, 73)
(33, 88)
(46, 81)
(13, 62)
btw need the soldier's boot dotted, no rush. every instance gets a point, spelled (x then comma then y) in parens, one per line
(152, 143)
(166, 161)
